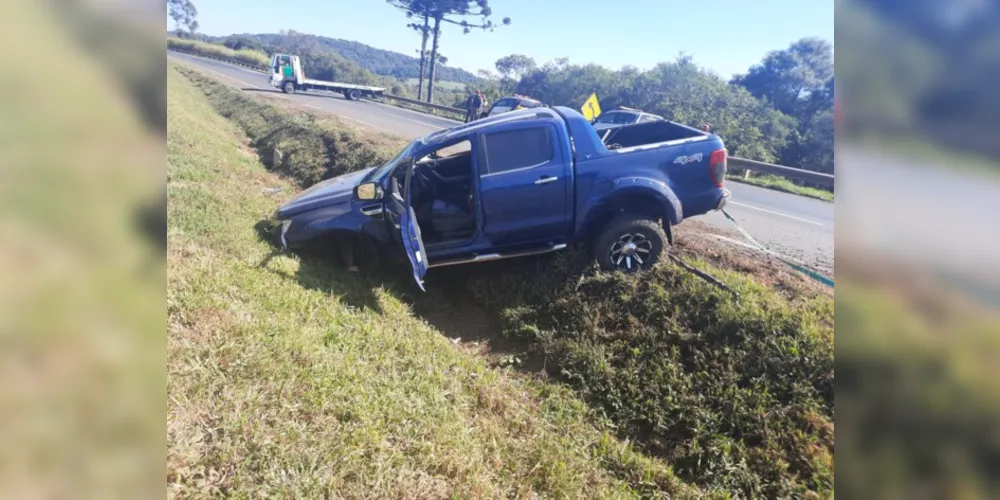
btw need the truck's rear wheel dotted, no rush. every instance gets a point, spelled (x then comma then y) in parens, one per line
(288, 87)
(630, 243)
(353, 94)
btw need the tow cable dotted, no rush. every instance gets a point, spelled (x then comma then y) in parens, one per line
(736, 295)
(705, 276)
(794, 265)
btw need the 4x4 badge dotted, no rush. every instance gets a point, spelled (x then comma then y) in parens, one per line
(684, 160)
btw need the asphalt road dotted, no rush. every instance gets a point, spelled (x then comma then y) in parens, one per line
(795, 226)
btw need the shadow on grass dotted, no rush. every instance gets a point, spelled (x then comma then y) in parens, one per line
(447, 305)
(319, 271)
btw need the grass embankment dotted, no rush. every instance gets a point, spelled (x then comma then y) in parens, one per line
(246, 56)
(288, 377)
(782, 184)
(737, 398)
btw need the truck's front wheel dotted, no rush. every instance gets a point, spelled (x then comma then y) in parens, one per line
(288, 87)
(629, 243)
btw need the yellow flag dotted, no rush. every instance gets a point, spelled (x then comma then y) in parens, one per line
(591, 109)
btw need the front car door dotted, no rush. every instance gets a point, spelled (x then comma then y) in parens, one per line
(524, 183)
(275, 71)
(402, 216)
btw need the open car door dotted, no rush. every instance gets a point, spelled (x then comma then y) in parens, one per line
(413, 245)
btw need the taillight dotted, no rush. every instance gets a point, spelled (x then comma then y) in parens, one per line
(717, 167)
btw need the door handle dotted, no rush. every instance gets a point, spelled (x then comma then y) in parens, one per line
(546, 180)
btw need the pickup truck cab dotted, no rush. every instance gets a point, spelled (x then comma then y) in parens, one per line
(525, 182)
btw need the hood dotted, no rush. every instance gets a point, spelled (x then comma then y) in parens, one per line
(322, 194)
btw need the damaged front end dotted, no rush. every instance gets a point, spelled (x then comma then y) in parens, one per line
(274, 230)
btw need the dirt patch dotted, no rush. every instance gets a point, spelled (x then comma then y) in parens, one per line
(701, 240)
(471, 328)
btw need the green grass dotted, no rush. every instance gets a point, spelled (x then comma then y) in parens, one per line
(289, 377)
(784, 185)
(246, 56)
(736, 396)
(921, 388)
(439, 84)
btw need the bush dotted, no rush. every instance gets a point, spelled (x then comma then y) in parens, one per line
(735, 396)
(246, 56)
(310, 149)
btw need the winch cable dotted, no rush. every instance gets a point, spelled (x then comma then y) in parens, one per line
(787, 260)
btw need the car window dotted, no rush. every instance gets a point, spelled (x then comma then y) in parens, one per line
(647, 118)
(507, 103)
(448, 151)
(514, 149)
(617, 118)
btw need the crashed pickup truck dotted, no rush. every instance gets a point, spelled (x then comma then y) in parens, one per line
(520, 183)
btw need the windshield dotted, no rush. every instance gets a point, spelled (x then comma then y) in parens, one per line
(380, 173)
(617, 118)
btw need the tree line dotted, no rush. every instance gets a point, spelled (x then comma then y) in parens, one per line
(780, 110)
(377, 61)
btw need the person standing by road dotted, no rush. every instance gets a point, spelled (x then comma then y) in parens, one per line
(483, 106)
(474, 103)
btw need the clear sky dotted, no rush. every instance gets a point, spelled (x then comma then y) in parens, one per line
(726, 36)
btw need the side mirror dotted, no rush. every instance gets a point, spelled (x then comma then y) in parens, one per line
(369, 191)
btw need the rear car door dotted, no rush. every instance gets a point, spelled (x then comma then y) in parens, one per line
(524, 181)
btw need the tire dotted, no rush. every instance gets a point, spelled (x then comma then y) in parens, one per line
(630, 244)
(354, 94)
(288, 87)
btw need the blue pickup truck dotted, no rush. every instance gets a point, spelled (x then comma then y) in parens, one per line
(526, 182)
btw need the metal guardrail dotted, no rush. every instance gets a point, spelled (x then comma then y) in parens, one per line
(797, 174)
(438, 107)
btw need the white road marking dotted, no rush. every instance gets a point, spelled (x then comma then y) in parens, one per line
(726, 238)
(760, 250)
(776, 213)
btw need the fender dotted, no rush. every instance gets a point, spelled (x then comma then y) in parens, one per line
(340, 218)
(623, 189)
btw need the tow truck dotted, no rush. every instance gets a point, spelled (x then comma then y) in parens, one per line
(287, 75)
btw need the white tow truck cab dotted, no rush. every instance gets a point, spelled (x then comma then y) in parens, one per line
(287, 75)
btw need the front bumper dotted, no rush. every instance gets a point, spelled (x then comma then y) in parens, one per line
(275, 230)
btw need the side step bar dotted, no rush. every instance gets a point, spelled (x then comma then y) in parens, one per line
(496, 256)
